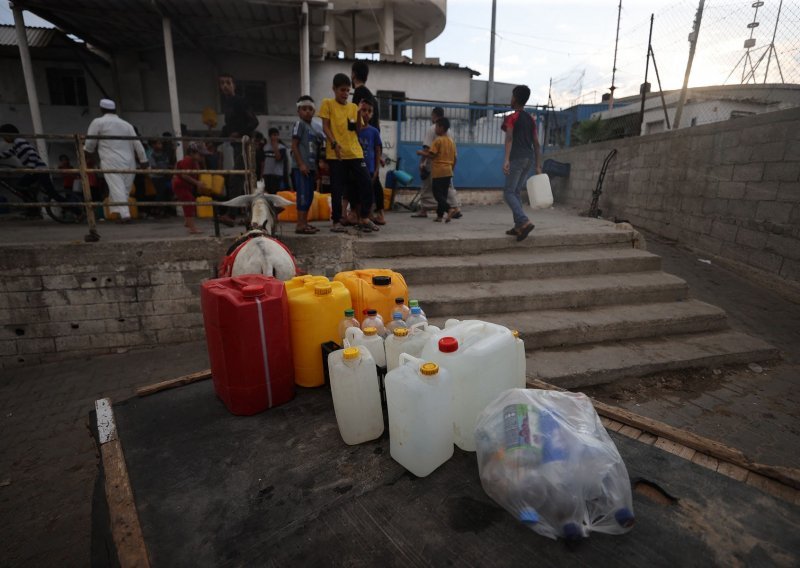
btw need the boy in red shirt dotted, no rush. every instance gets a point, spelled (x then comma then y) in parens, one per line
(185, 186)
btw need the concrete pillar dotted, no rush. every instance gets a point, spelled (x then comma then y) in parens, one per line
(172, 84)
(330, 35)
(305, 73)
(418, 45)
(387, 45)
(30, 81)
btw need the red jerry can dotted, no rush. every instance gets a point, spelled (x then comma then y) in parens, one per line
(247, 331)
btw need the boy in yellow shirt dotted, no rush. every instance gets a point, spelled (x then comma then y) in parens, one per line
(443, 155)
(341, 121)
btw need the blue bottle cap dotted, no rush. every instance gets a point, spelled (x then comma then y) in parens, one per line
(397, 316)
(529, 516)
(571, 531)
(416, 310)
(624, 517)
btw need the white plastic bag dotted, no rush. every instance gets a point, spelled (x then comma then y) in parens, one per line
(545, 457)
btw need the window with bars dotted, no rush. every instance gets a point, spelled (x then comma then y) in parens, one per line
(67, 87)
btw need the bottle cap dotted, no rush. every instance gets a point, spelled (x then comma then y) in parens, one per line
(515, 333)
(351, 353)
(529, 516)
(413, 303)
(399, 301)
(322, 289)
(349, 313)
(382, 280)
(371, 312)
(429, 369)
(416, 310)
(448, 344)
(370, 330)
(253, 290)
(397, 315)
(400, 331)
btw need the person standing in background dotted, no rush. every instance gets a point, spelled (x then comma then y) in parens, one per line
(276, 163)
(427, 201)
(115, 154)
(239, 121)
(358, 75)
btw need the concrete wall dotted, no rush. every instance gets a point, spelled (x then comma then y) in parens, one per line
(730, 189)
(65, 301)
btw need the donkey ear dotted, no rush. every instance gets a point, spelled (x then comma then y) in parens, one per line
(240, 201)
(278, 201)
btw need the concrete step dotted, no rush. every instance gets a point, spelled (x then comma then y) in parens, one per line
(452, 300)
(596, 364)
(558, 328)
(380, 246)
(525, 263)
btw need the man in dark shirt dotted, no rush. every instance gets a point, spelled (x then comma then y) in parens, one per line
(522, 152)
(358, 75)
(239, 121)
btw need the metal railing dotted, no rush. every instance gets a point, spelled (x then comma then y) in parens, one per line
(83, 171)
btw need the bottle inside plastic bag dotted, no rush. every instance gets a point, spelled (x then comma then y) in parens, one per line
(545, 457)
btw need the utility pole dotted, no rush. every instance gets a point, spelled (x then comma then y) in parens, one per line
(490, 86)
(692, 46)
(644, 86)
(614, 67)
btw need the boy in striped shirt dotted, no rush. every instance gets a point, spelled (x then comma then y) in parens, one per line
(23, 151)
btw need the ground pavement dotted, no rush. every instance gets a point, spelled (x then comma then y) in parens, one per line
(48, 460)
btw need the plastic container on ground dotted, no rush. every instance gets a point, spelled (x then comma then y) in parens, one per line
(349, 320)
(393, 345)
(356, 395)
(323, 206)
(482, 359)
(419, 399)
(214, 182)
(397, 322)
(545, 457)
(418, 337)
(316, 306)
(539, 192)
(521, 360)
(416, 317)
(370, 339)
(204, 211)
(374, 319)
(246, 321)
(374, 288)
(401, 307)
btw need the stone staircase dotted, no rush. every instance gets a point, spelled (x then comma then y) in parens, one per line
(590, 307)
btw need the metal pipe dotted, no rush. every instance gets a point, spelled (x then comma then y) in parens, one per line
(614, 67)
(646, 69)
(10, 172)
(490, 85)
(93, 235)
(30, 81)
(692, 46)
(172, 83)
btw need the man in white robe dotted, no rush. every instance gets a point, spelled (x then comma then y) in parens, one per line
(115, 154)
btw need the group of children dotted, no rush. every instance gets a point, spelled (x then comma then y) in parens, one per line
(353, 150)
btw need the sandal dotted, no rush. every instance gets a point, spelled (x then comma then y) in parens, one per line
(307, 230)
(437, 220)
(525, 231)
(368, 226)
(378, 221)
(338, 228)
(512, 231)
(458, 214)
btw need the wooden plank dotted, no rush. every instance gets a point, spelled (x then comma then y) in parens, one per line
(772, 487)
(647, 438)
(674, 448)
(630, 432)
(705, 461)
(614, 425)
(787, 476)
(734, 471)
(174, 383)
(125, 527)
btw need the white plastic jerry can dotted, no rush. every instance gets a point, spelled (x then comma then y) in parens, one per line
(395, 344)
(522, 363)
(539, 192)
(370, 339)
(356, 395)
(483, 360)
(419, 397)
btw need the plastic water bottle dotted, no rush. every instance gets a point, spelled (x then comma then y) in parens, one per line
(419, 400)
(348, 321)
(356, 395)
(370, 339)
(415, 304)
(416, 317)
(375, 320)
(400, 306)
(396, 323)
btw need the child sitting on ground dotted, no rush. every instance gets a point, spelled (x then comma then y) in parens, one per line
(371, 144)
(185, 186)
(443, 155)
(306, 140)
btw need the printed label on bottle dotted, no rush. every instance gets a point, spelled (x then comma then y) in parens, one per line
(518, 435)
(554, 445)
